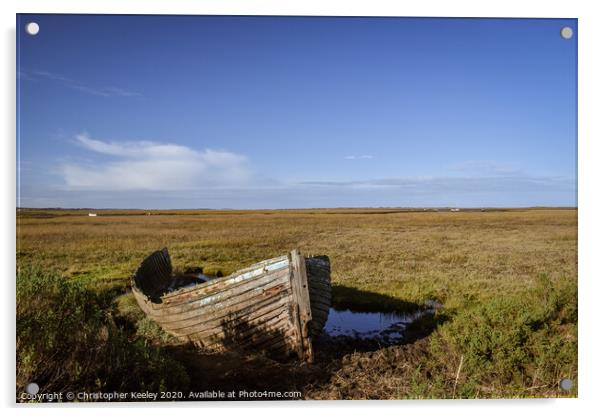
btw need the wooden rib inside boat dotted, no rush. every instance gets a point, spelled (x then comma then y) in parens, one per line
(277, 305)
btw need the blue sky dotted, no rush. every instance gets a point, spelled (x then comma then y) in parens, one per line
(283, 112)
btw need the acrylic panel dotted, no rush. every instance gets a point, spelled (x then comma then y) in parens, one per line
(282, 207)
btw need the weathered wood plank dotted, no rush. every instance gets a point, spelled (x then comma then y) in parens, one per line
(320, 292)
(240, 331)
(256, 341)
(275, 322)
(274, 339)
(301, 305)
(251, 310)
(208, 289)
(237, 311)
(241, 275)
(154, 274)
(322, 297)
(208, 302)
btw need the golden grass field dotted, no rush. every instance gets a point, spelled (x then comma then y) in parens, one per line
(507, 280)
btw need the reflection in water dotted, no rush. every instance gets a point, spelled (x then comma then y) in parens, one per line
(387, 328)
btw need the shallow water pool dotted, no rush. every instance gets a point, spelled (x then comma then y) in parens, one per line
(388, 328)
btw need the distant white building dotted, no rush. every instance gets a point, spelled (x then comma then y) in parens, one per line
(455, 209)
(91, 214)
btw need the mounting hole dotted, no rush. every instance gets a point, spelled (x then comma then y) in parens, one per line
(32, 28)
(566, 384)
(32, 388)
(566, 32)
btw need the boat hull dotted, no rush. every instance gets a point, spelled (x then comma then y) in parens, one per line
(264, 307)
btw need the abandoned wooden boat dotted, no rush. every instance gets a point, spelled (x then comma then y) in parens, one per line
(276, 305)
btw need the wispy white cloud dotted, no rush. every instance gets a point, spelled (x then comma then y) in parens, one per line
(485, 168)
(358, 157)
(147, 174)
(434, 185)
(106, 91)
(102, 91)
(145, 165)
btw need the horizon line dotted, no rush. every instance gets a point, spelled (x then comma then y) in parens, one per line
(308, 209)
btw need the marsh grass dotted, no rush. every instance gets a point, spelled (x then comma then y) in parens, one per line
(67, 340)
(507, 279)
